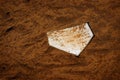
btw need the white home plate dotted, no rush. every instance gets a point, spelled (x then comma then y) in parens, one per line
(72, 40)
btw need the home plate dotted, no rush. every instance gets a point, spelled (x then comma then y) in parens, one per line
(72, 40)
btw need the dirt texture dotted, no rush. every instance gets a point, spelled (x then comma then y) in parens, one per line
(26, 55)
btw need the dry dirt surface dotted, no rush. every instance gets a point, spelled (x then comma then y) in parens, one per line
(26, 55)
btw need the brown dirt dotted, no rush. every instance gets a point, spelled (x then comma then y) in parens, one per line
(26, 55)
